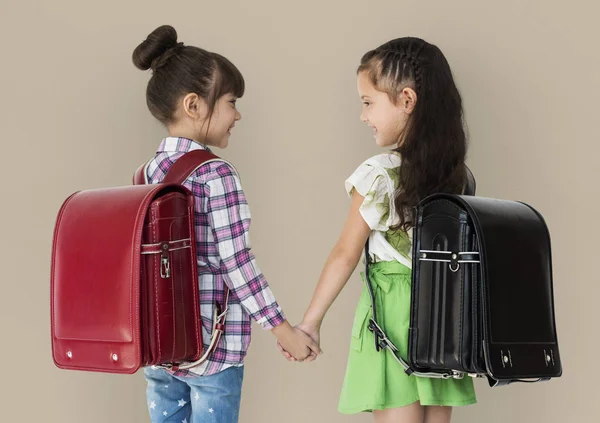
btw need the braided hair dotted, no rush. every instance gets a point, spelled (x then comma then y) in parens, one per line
(433, 144)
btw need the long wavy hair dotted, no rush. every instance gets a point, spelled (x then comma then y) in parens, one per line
(433, 144)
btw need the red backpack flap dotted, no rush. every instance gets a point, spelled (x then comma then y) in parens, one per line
(95, 281)
(179, 171)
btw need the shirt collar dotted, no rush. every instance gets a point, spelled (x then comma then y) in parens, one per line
(180, 145)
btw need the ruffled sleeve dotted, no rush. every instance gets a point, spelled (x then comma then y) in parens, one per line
(373, 183)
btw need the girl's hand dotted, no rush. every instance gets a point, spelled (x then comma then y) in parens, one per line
(313, 331)
(297, 344)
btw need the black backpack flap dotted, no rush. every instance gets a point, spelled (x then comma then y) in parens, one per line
(443, 320)
(519, 329)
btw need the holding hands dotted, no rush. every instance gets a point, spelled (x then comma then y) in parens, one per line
(298, 343)
(309, 333)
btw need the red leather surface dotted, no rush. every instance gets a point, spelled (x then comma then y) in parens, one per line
(96, 283)
(171, 304)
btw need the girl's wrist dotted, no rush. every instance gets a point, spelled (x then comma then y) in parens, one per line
(282, 330)
(312, 321)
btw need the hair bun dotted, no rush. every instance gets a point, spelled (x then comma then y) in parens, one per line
(158, 42)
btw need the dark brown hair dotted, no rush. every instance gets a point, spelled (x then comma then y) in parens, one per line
(433, 144)
(178, 70)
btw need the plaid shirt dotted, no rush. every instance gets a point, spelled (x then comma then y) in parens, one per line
(222, 221)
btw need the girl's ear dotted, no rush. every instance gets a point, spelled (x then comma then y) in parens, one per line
(408, 100)
(194, 106)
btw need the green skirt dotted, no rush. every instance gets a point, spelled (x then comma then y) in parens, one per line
(374, 379)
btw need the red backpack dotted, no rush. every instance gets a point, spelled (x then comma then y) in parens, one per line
(124, 278)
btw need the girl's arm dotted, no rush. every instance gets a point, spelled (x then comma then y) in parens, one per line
(229, 218)
(339, 267)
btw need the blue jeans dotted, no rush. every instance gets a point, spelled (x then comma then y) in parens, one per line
(194, 399)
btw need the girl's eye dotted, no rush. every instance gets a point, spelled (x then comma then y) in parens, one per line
(366, 103)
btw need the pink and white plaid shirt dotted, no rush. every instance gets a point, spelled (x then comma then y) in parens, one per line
(222, 220)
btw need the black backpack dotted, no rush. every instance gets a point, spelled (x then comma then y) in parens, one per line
(482, 302)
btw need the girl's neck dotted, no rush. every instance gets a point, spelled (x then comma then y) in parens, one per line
(178, 132)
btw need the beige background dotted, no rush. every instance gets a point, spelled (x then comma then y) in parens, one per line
(73, 116)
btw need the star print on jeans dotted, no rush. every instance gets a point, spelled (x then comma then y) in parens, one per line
(181, 402)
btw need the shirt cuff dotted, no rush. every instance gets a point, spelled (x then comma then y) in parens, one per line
(271, 317)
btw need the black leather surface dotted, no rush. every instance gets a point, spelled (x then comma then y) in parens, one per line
(495, 317)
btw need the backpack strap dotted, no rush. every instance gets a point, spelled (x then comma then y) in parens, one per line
(470, 184)
(139, 177)
(180, 170)
(382, 342)
(186, 165)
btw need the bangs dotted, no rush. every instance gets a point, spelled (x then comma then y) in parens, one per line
(229, 79)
